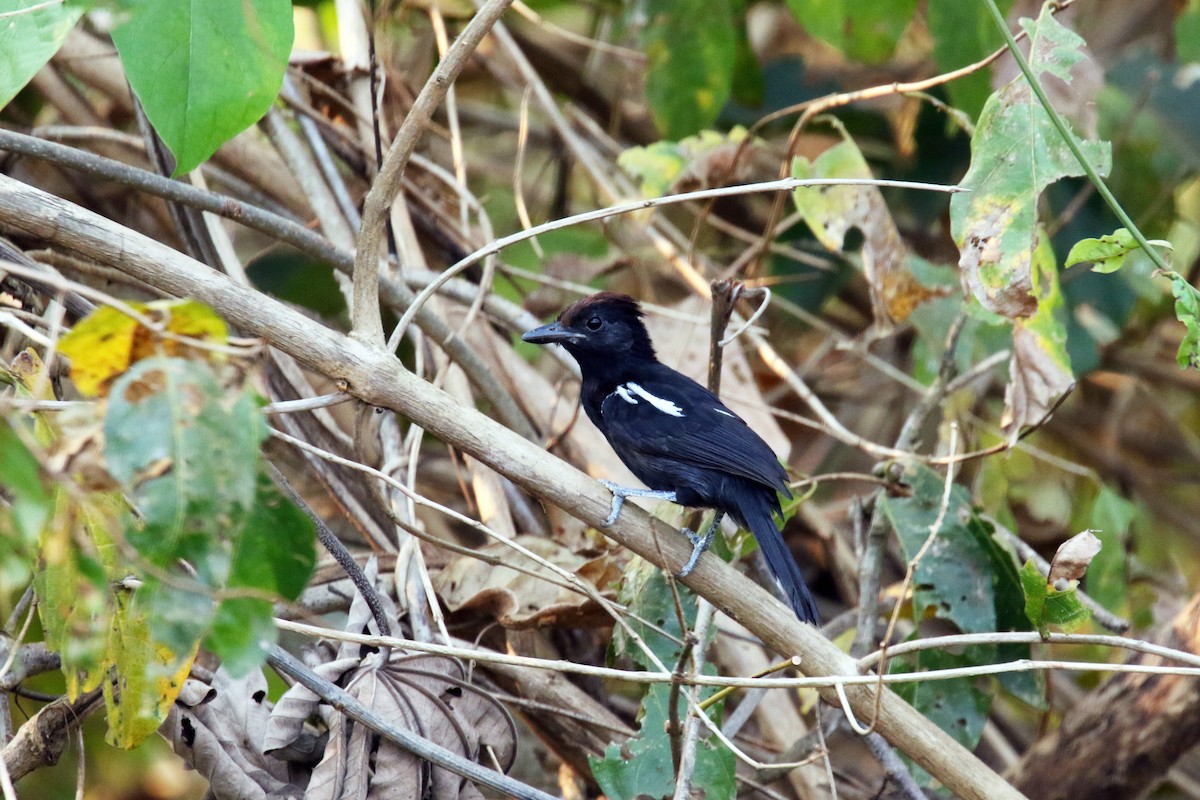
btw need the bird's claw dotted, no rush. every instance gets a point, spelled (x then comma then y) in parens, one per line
(700, 543)
(618, 500)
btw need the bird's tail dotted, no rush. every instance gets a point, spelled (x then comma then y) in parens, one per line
(757, 515)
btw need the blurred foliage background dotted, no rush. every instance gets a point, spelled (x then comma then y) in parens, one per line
(582, 105)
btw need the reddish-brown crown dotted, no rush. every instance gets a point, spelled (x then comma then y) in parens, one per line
(601, 300)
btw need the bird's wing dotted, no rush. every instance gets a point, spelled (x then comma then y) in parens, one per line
(668, 415)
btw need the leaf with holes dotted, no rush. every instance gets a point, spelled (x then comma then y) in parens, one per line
(958, 706)
(1016, 152)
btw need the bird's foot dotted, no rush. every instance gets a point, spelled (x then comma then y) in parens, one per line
(700, 543)
(619, 494)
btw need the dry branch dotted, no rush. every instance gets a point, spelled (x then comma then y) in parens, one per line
(377, 378)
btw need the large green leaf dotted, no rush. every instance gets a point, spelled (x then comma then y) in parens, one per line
(204, 70)
(273, 555)
(188, 459)
(186, 450)
(692, 49)
(643, 767)
(863, 31)
(958, 706)
(964, 33)
(31, 31)
(1016, 152)
(964, 576)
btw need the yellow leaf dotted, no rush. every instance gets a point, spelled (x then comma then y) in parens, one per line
(108, 342)
(100, 348)
(148, 676)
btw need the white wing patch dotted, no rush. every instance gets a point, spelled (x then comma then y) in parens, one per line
(624, 395)
(665, 406)
(726, 413)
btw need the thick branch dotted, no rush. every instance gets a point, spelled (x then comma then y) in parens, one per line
(378, 378)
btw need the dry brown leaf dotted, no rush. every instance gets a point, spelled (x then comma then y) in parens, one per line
(1073, 556)
(426, 694)
(219, 730)
(519, 599)
(1038, 383)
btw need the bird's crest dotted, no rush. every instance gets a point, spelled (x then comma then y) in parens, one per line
(607, 301)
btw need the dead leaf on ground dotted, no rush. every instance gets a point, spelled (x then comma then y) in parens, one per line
(519, 599)
(429, 695)
(218, 731)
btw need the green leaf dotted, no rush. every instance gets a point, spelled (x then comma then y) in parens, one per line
(862, 31)
(647, 771)
(964, 33)
(661, 164)
(964, 577)
(29, 502)
(643, 765)
(1046, 606)
(1187, 310)
(189, 460)
(1016, 152)
(1187, 33)
(645, 591)
(827, 209)
(1108, 253)
(205, 70)
(1036, 589)
(187, 451)
(692, 49)
(147, 675)
(957, 705)
(1111, 517)
(274, 555)
(31, 31)
(242, 633)
(73, 588)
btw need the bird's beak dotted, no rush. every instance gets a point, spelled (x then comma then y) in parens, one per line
(554, 333)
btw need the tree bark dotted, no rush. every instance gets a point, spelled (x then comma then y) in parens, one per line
(1124, 737)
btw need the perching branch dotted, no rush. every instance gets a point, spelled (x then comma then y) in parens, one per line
(377, 378)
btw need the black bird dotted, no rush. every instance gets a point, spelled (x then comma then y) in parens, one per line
(673, 434)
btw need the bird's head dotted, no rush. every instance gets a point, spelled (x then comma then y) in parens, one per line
(601, 326)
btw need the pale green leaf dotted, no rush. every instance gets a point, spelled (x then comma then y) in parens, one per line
(1108, 253)
(862, 31)
(31, 31)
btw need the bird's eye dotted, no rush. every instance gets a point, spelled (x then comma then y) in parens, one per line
(594, 324)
